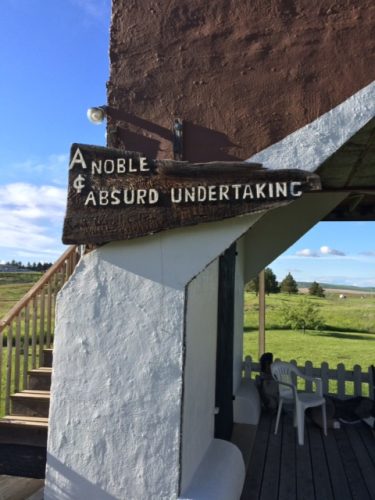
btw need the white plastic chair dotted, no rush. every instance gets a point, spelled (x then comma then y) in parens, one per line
(283, 374)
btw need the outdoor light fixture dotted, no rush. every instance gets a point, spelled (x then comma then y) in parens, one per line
(97, 115)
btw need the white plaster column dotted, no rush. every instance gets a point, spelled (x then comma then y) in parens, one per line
(122, 327)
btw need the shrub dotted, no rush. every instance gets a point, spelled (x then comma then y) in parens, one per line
(302, 316)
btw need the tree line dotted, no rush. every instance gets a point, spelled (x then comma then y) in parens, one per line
(35, 266)
(287, 285)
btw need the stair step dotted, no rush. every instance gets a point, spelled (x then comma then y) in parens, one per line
(24, 430)
(32, 394)
(40, 378)
(47, 359)
(23, 421)
(31, 403)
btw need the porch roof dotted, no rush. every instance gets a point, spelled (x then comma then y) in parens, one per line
(340, 147)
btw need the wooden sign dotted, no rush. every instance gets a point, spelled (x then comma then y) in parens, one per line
(118, 195)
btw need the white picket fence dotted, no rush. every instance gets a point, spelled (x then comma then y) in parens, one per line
(338, 381)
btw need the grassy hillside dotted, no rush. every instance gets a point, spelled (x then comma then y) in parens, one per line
(13, 287)
(328, 286)
(348, 336)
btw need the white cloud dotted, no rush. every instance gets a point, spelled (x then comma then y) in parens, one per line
(53, 170)
(325, 250)
(31, 219)
(368, 254)
(307, 252)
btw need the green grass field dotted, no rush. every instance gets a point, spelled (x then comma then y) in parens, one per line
(348, 336)
(13, 287)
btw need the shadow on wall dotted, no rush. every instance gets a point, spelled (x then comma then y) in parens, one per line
(201, 144)
(71, 485)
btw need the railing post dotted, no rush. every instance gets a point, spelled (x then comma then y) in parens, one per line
(262, 315)
(1, 365)
(41, 323)
(17, 357)
(49, 314)
(34, 332)
(9, 368)
(26, 345)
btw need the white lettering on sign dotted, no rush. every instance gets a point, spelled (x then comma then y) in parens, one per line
(115, 197)
(243, 192)
(293, 191)
(119, 166)
(191, 194)
(77, 159)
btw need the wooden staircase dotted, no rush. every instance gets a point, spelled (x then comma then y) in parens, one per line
(27, 423)
(29, 356)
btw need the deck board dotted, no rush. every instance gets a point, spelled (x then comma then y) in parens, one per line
(270, 484)
(352, 470)
(364, 461)
(339, 481)
(322, 482)
(305, 483)
(340, 466)
(18, 488)
(287, 481)
(253, 482)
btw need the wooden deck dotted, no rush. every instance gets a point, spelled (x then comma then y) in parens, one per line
(20, 488)
(340, 466)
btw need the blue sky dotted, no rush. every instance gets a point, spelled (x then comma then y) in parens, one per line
(54, 65)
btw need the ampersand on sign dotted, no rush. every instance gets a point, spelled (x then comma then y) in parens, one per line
(79, 183)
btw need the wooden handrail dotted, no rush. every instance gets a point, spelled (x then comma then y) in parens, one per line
(14, 311)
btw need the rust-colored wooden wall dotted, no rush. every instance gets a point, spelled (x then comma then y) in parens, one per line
(241, 74)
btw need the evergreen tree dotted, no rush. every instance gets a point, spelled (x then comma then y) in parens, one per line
(289, 285)
(270, 283)
(253, 286)
(316, 289)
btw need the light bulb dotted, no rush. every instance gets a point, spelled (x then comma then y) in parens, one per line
(96, 115)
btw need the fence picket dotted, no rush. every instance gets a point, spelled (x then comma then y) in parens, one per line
(341, 380)
(324, 369)
(357, 376)
(340, 375)
(309, 373)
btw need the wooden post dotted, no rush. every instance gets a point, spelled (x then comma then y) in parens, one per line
(262, 314)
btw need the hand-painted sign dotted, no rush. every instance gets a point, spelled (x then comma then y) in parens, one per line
(115, 195)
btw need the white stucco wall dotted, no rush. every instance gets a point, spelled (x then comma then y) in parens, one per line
(200, 370)
(115, 415)
(117, 380)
